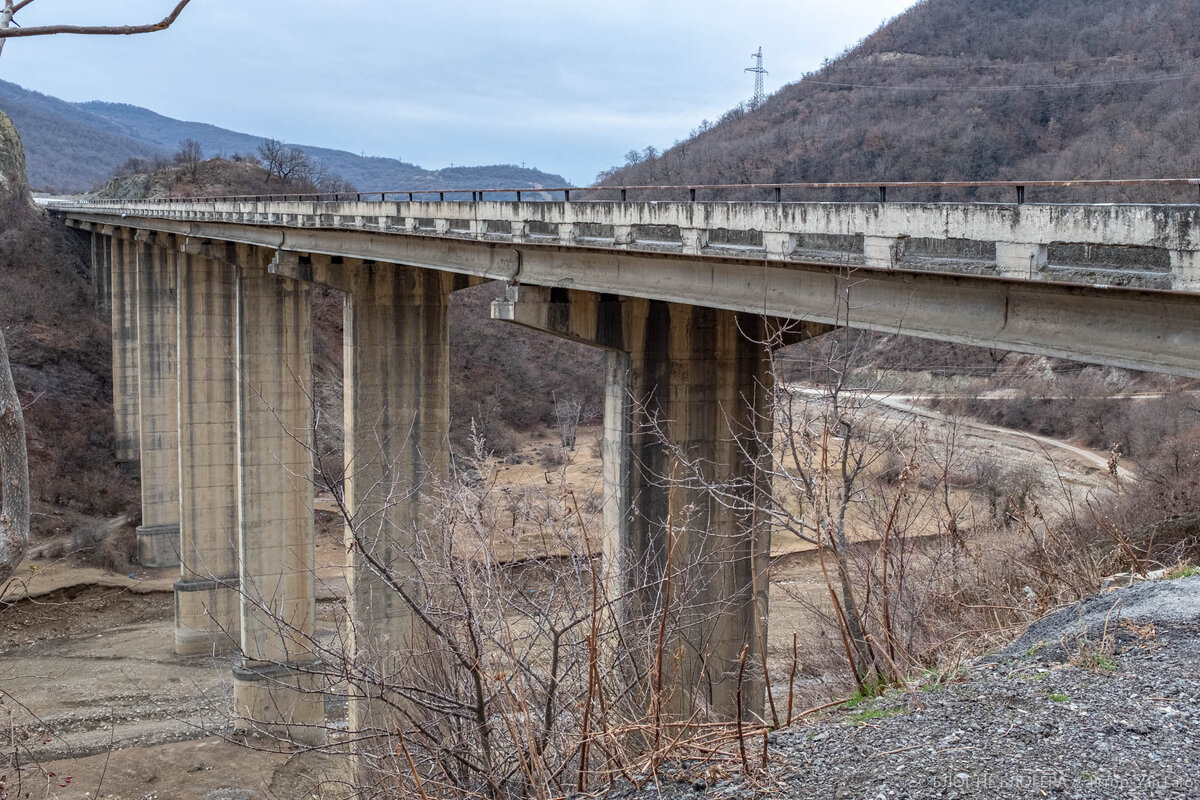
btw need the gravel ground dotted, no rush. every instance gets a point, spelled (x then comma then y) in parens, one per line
(1098, 701)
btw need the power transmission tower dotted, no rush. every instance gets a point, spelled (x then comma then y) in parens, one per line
(758, 71)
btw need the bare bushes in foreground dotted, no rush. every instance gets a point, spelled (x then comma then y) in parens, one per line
(516, 677)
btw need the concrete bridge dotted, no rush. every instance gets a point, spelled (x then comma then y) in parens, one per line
(212, 374)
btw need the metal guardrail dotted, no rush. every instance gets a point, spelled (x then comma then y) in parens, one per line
(692, 191)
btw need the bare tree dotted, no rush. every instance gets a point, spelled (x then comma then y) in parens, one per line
(190, 154)
(14, 472)
(567, 411)
(284, 162)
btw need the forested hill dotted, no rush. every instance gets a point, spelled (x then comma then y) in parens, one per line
(973, 90)
(77, 146)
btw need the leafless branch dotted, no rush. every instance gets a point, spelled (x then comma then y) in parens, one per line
(14, 472)
(87, 30)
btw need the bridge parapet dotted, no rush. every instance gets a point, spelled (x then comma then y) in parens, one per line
(1150, 246)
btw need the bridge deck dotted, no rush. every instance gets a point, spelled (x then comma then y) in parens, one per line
(984, 282)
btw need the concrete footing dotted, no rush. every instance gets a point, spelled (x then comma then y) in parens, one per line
(206, 616)
(280, 702)
(158, 545)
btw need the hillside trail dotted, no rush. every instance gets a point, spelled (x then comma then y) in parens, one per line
(1057, 460)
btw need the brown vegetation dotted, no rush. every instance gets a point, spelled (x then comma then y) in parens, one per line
(970, 90)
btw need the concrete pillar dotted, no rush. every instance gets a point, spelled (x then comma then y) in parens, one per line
(566, 232)
(101, 272)
(1185, 270)
(694, 240)
(623, 235)
(1020, 260)
(274, 691)
(685, 411)
(206, 595)
(125, 352)
(520, 230)
(158, 401)
(479, 228)
(883, 251)
(397, 417)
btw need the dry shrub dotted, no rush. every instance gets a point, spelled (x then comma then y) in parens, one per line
(552, 456)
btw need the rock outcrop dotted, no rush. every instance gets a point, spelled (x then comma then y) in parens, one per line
(14, 185)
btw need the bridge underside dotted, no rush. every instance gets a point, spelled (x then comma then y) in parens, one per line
(213, 398)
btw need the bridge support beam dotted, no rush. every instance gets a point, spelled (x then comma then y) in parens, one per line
(687, 434)
(206, 595)
(883, 251)
(158, 399)
(275, 690)
(125, 350)
(397, 418)
(1021, 260)
(1185, 270)
(694, 240)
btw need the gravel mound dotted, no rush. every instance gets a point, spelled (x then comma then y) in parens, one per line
(1099, 701)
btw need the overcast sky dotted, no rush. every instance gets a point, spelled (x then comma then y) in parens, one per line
(564, 85)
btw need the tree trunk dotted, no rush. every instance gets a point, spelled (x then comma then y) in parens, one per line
(14, 472)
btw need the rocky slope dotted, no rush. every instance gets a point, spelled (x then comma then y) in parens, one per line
(1097, 701)
(13, 186)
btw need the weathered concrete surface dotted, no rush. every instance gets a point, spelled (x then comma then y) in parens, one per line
(881, 225)
(158, 400)
(125, 350)
(397, 420)
(206, 596)
(101, 272)
(686, 451)
(272, 690)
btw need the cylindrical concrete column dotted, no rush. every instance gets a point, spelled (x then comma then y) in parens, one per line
(397, 416)
(158, 401)
(206, 595)
(125, 352)
(273, 691)
(687, 443)
(101, 272)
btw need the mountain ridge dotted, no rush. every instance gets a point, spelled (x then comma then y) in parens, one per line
(73, 147)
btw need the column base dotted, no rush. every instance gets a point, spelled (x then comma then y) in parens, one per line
(133, 467)
(279, 702)
(158, 545)
(207, 616)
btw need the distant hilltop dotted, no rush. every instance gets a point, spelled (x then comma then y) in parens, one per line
(970, 90)
(74, 147)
